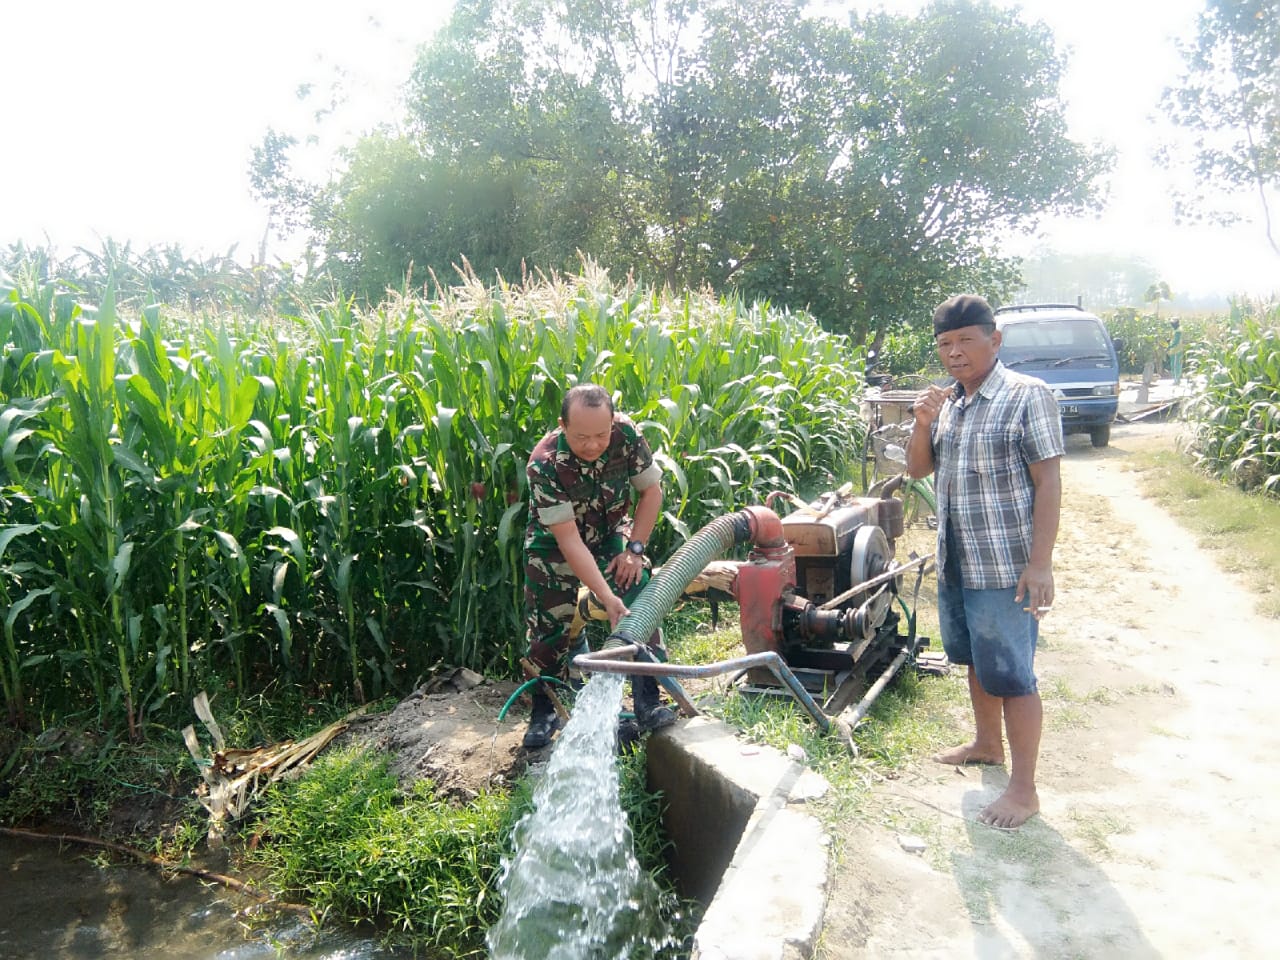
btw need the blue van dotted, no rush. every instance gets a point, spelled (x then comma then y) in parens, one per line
(1072, 352)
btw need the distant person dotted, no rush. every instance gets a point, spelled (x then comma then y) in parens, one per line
(1176, 349)
(583, 478)
(994, 441)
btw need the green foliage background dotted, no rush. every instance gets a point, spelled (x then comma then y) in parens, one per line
(856, 167)
(337, 499)
(1146, 338)
(907, 349)
(1237, 408)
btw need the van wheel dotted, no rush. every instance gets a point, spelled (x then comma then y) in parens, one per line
(1100, 436)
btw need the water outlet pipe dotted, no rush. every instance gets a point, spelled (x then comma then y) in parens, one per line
(619, 659)
(757, 525)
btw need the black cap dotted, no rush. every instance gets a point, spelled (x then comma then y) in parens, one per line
(963, 310)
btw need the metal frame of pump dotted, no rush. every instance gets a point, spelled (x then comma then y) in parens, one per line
(815, 599)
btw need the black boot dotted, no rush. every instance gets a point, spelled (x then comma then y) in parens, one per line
(543, 721)
(651, 714)
(626, 736)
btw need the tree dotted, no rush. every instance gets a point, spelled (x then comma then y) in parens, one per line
(857, 169)
(1157, 292)
(289, 199)
(1229, 96)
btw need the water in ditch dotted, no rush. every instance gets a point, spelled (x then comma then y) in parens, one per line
(572, 889)
(61, 905)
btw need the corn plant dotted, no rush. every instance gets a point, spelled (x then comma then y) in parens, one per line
(1238, 409)
(338, 499)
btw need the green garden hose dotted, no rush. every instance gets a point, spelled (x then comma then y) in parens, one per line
(522, 688)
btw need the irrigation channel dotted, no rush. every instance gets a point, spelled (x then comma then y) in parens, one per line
(62, 905)
(573, 889)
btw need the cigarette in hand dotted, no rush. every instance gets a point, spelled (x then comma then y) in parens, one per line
(1036, 609)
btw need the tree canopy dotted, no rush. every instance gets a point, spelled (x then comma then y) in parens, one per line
(1229, 96)
(859, 169)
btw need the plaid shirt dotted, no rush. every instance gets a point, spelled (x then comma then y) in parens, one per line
(983, 446)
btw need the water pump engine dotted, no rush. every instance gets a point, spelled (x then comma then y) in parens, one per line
(823, 600)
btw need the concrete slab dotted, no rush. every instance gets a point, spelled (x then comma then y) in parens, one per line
(771, 899)
(743, 842)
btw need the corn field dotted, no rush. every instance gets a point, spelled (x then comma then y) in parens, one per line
(337, 500)
(1237, 410)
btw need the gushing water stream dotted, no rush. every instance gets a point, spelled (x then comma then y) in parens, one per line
(572, 889)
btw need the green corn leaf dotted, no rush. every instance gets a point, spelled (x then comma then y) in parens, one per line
(294, 543)
(19, 606)
(342, 582)
(120, 564)
(10, 531)
(506, 526)
(230, 547)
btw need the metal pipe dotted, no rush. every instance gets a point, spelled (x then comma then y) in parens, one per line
(613, 661)
(756, 524)
(854, 716)
(874, 581)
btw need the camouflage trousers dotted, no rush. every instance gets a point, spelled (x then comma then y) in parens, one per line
(557, 607)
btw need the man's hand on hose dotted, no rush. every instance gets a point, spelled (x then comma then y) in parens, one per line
(626, 569)
(616, 609)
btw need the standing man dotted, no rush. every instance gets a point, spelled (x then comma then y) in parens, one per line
(582, 477)
(994, 439)
(1175, 352)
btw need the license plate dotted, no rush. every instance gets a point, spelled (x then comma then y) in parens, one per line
(1070, 410)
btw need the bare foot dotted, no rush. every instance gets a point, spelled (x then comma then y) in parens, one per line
(970, 753)
(1011, 809)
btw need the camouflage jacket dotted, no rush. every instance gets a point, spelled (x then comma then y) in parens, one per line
(597, 495)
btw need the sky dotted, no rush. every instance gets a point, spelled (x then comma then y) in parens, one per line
(136, 120)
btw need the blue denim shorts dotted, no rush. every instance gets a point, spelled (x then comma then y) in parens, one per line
(989, 630)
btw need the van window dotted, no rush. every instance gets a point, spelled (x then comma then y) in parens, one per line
(1078, 335)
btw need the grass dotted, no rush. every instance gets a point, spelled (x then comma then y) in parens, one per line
(1239, 527)
(138, 791)
(705, 644)
(915, 716)
(346, 839)
(1096, 829)
(77, 774)
(1059, 689)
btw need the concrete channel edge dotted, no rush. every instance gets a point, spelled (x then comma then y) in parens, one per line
(743, 843)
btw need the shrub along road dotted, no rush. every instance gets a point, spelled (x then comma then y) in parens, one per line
(1158, 831)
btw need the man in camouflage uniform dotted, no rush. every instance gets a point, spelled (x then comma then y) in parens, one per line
(582, 477)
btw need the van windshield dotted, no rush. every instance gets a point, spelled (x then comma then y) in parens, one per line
(1054, 342)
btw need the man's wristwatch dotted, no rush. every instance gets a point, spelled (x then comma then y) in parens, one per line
(636, 547)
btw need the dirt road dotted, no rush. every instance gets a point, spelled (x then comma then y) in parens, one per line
(1159, 834)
